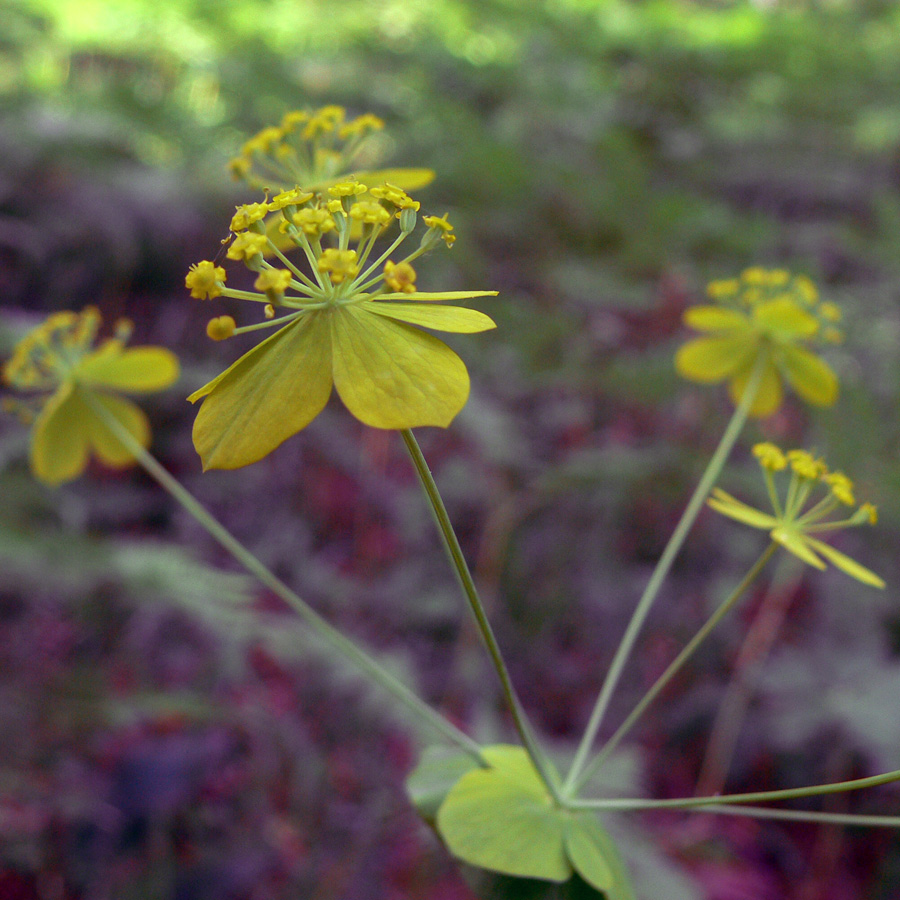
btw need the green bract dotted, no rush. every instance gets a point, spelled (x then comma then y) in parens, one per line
(58, 361)
(353, 323)
(764, 315)
(800, 515)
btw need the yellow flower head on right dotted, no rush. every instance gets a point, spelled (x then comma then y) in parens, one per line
(766, 317)
(804, 510)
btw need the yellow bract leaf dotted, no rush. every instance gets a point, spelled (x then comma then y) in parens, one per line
(808, 375)
(786, 318)
(138, 369)
(408, 179)
(59, 440)
(711, 359)
(269, 394)
(441, 318)
(847, 565)
(104, 443)
(797, 544)
(391, 375)
(714, 318)
(769, 394)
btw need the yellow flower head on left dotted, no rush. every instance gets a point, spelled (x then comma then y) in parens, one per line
(66, 373)
(351, 319)
(768, 318)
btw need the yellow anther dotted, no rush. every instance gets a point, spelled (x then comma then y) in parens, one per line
(347, 189)
(314, 222)
(221, 328)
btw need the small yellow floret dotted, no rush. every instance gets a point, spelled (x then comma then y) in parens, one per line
(221, 328)
(400, 277)
(314, 222)
(247, 214)
(370, 212)
(395, 196)
(440, 223)
(869, 511)
(841, 487)
(339, 264)
(806, 289)
(360, 125)
(770, 457)
(347, 189)
(247, 245)
(830, 312)
(275, 280)
(805, 465)
(723, 288)
(205, 280)
(294, 197)
(291, 121)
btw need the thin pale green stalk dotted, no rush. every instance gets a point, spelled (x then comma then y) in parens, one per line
(790, 815)
(330, 635)
(678, 537)
(816, 790)
(676, 664)
(461, 568)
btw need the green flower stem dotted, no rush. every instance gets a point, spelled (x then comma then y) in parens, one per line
(816, 790)
(790, 815)
(623, 651)
(461, 568)
(676, 664)
(330, 635)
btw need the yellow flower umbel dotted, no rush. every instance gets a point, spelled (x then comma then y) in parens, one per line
(348, 323)
(67, 374)
(804, 511)
(317, 149)
(767, 317)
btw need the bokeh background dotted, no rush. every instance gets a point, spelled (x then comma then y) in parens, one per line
(167, 730)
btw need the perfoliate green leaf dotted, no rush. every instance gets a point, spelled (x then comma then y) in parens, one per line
(391, 375)
(847, 565)
(808, 375)
(784, 318)
(59, 439)
(138, 369)
(431, 780)
(503, 819)
(440, 318)
(714, 318)
(711, 359)
(269, 394)
(596, 857)
(798, 545)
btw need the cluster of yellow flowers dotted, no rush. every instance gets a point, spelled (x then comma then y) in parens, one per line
(343, 323)
(803, 511)
(768, 318)
(315, 148)
(68, 379)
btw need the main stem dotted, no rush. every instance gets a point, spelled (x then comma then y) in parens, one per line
(642, 610)
(330, 635)
(676, 664)
(461, 568)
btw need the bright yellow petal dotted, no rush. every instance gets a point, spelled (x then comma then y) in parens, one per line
(809, 376)
(407, 179)
(798, 545)
(104, 443)
(440, 295)
(786, 319)
(769, 394)
(849, 566)
(714, 318)
(267, 396)
(137, 369)
(391, 375)
(440, 318)
(710, 359)
(59, 441)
